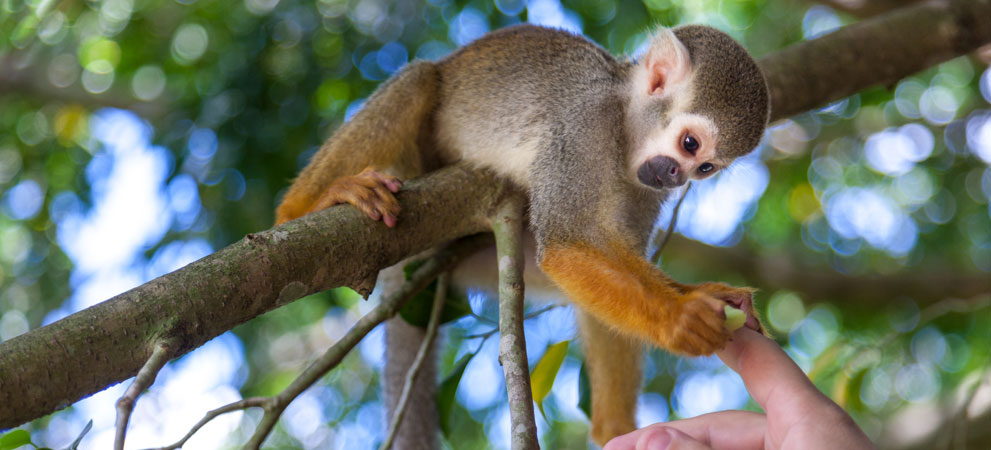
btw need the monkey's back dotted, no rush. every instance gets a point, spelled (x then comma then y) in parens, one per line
(505, 95)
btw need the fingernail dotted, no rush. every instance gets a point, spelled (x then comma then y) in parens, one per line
(659, 441)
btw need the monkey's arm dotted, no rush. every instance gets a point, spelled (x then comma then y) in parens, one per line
(623, 290)
(360, 163)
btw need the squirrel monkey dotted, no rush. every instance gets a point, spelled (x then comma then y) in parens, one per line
(597, 143)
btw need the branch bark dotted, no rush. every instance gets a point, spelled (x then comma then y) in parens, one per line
(51, 367)
(877, 51)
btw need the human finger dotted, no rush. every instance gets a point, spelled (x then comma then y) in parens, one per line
(731, 430)
(768, 372)
(656, 437)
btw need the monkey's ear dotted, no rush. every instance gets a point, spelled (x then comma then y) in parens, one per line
(667, 62)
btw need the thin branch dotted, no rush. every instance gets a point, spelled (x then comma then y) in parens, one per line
(146, 377)
(656, 257)
(426, 273)
(507, 225)
(251, 402)
(530, 315)
(421, 356)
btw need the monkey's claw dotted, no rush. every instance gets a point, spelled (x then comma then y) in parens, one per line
(370, 191)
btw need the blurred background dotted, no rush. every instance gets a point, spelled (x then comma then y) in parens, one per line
(137, 136)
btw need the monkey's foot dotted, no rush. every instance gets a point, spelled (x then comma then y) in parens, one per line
(370, 191)
(739, 298)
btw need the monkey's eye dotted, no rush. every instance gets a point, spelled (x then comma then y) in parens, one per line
(690, 144)
(706, 168)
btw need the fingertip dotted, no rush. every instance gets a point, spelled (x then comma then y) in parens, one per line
(390, 220)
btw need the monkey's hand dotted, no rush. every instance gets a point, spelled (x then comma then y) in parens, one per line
(370, 191)
(739, 298)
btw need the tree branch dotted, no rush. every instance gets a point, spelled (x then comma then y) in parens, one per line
(876, 51)
(421, 355)
(783, 271)
(22, 74)
(53, 366)
(275, 405)
(507, 225)
(145, 378)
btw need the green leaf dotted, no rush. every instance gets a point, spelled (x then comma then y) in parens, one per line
(75, 443)
(584, 392)
(446, 391)
(544, 373)
(417, 310)
(15, 439)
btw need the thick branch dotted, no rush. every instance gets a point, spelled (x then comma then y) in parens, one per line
(23, 74)
(783, 271)
(53, 366)
(877, 51)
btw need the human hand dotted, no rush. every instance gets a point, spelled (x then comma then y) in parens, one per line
(798, 416)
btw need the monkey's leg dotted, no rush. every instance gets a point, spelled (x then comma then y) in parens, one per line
(623, 290)
(614, 370)
(390, 134)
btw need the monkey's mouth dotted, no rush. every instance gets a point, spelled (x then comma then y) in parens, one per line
(661, 172)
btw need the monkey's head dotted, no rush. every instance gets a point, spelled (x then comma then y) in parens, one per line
(698, 102)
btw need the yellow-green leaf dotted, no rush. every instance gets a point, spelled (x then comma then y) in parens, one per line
(734, 318)
(446, 391)
(15, 439)
(544, 373)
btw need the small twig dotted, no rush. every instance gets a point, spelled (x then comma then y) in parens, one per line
(529, 316)
(145, 378)
(507, 225)
(421, 355)
(251, 402)
(656, 257)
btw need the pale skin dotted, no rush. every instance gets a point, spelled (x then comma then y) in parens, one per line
(798, 415)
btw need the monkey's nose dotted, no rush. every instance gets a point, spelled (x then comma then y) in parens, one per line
(661, 172)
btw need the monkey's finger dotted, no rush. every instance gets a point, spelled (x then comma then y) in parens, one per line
(364, 201)
(386, 202)
(389, 181)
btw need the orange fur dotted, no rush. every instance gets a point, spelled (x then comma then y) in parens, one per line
(625, 291)
(613, 362)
